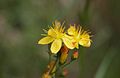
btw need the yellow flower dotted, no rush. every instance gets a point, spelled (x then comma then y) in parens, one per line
(56, 35)
(85, 39)
(79, 36)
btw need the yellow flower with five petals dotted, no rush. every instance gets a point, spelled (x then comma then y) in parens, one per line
(79, 36)
(56, 35)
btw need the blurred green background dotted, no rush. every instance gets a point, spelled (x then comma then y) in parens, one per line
(21, 24)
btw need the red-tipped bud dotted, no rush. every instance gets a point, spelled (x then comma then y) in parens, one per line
(63, 54)
(65, 72)
(64, 49)
(75, 55)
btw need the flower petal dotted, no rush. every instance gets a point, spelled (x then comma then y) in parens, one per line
(68, 42)
(77, 45)
(51, 32)
(45, 40)
(71, 30)
(85, 42)
(56, 45)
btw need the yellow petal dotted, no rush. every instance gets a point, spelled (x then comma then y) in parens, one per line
(77, 46)
(68, 42)
(56, 45)
(71, 30)
(45, 40)
(85, 42)
(51, 32)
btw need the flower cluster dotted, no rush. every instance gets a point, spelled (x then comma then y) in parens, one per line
(57, 35)
(62, 40)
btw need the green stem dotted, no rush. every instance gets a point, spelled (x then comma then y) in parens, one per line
(67, 64)
(63, 66)
(50, 56)
(56, 62)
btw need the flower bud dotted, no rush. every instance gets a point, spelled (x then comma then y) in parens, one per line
(64, 53)
(65, 72)
(46, 75)
(75, 55)
(51, 67)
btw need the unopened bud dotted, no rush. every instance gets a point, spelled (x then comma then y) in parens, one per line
(64, 49)
(65, 72)
(51, 68)
(46, 75)
(64, 53)
(75, 55)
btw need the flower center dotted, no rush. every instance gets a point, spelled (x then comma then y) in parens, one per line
(59, 35)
